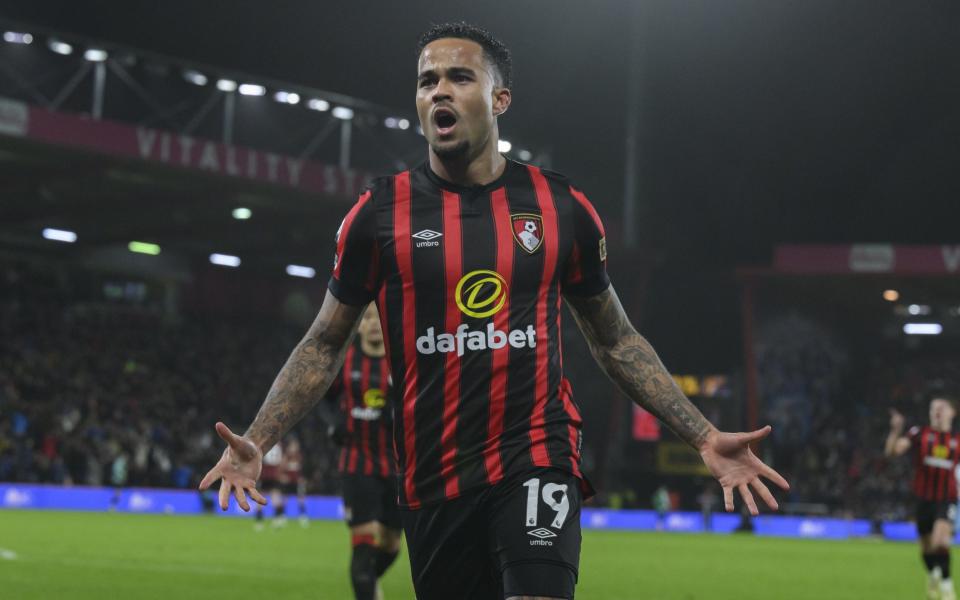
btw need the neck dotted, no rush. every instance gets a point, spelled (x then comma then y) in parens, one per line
(941, 427)
(372, 349)
(480, 169)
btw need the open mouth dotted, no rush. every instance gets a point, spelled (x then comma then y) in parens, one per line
(445, 120)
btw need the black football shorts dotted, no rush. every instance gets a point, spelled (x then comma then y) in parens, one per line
(520, 537)
(367, 498)
(930, 511)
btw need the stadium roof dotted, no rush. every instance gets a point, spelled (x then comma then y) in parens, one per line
(111, 200)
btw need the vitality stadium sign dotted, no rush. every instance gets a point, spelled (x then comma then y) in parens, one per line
(18, 119)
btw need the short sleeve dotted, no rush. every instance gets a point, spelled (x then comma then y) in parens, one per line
(586, 273)
(356, 270)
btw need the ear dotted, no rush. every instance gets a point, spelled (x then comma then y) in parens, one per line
(501, 100)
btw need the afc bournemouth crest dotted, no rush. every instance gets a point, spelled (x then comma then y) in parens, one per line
(528, 231)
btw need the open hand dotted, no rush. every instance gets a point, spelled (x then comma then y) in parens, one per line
(239, 467)
(896, 420)
(729, 458)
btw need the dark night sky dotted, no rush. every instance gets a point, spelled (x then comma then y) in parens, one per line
(760, 121)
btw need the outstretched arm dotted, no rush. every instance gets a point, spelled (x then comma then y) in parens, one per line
(311, 368)
(308, 372)
(896, 444)
(631, 362)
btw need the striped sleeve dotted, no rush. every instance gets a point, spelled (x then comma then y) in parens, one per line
(356, 274)
(586, 273)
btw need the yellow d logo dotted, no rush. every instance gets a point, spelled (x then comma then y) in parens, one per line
(374, 398)
(481, 293)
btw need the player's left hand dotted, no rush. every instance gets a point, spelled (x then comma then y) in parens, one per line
(729, 458)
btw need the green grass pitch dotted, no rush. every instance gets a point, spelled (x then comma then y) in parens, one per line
(119, 556)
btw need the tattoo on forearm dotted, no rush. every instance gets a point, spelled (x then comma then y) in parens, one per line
(308, 372)
(631, 362)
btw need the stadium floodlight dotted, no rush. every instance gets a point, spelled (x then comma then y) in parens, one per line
(242, 214)
(59, 47)
(343, 113)
(226, 85)
(918, 309)
(391, 123)
(318, 104)
(195, 77)
(287, 97)
(403, 124)
(301, 271)
(923, 328)
(95, 54)
(891, 295)
(225, 260)
(524, 155)
(503, 146)
(17, 37)
(60, 235)
(144, 248)
(252, 89)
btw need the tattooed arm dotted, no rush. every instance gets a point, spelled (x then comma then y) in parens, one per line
(631, 362)
(308, 372)
(301, 383)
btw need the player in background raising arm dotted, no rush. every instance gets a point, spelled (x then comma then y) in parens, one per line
(936, 450)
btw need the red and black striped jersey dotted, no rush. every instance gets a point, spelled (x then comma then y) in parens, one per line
(362, 389)
(469, 282)
(935, 458)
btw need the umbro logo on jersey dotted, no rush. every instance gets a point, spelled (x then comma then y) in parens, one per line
(427, 237)
(541, 533)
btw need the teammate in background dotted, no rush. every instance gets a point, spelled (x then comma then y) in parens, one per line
(707, 499)
(272, 478)
(360, 415)
(119, 472)
(292, 477)
(661, 504)
(469, 257)
(936, 453)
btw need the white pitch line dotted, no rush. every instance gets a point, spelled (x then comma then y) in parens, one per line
(7, 554)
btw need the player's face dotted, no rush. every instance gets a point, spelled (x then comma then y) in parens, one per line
(941, 413)
(370, 326)
(457, 97)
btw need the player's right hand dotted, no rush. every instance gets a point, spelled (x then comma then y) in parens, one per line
(239, 467)
(896, 420)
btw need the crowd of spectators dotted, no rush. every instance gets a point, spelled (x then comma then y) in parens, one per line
(99, 392)
(829, 400)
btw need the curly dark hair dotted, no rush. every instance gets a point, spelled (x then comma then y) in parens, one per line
(496, 53)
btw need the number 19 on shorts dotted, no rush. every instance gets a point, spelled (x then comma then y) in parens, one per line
(549, 494)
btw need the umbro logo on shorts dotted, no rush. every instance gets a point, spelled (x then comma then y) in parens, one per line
(541, 533)
(427, 237)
